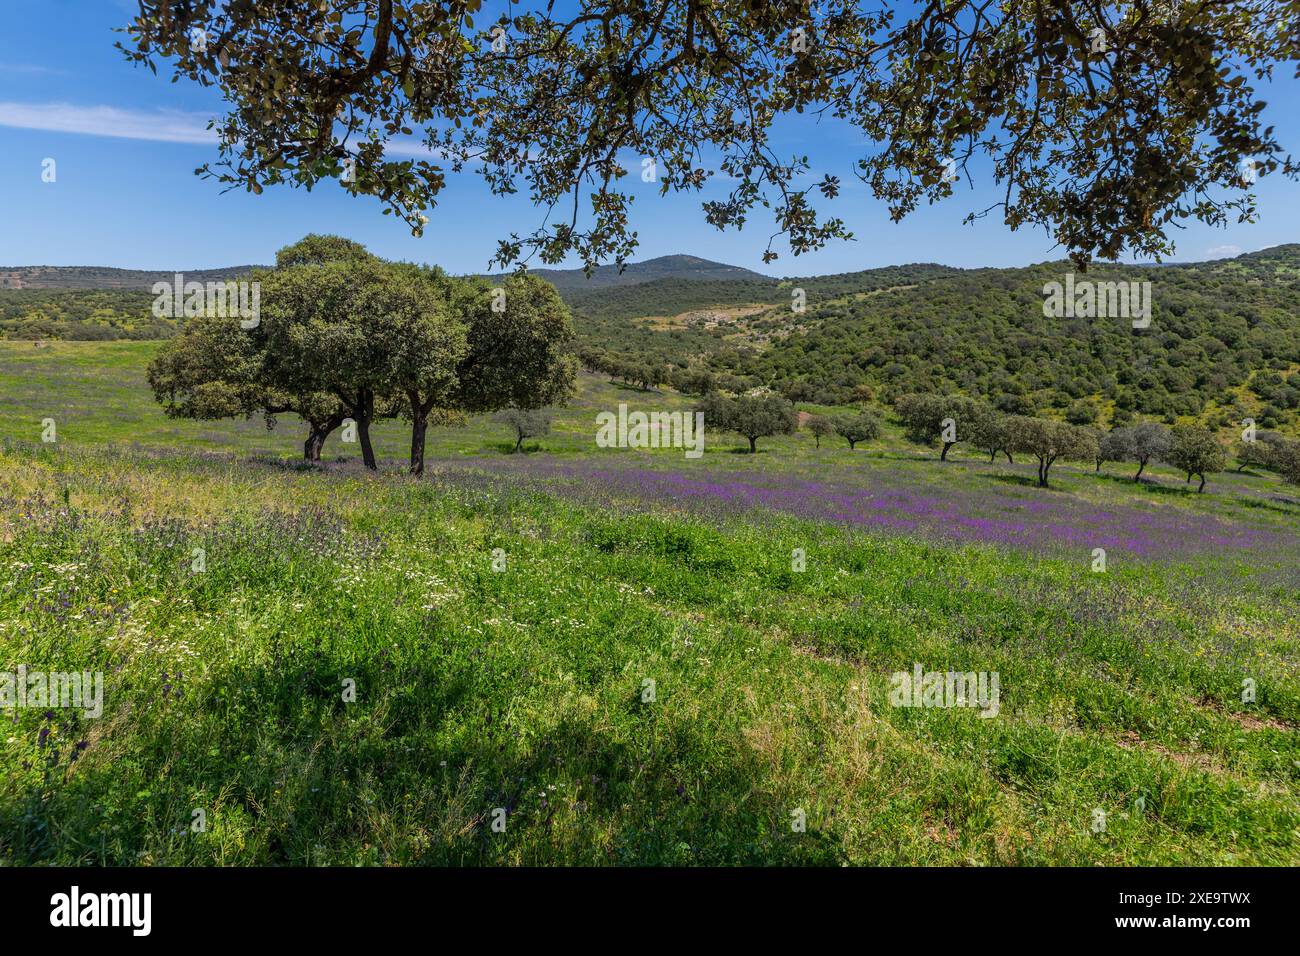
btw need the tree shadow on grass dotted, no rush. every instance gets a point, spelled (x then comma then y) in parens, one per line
(508, 448)
(415, 770)
(635, 389)
(1160, 488)
(1157, 486)
(1023, 481)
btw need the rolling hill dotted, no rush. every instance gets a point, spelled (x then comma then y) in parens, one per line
(691, 268)
(103, 277)
(1224, 340)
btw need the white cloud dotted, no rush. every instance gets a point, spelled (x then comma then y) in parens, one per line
(29, 68)
(163, 126)
(1223, 252)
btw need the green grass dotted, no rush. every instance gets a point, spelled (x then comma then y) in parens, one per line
(524, 689)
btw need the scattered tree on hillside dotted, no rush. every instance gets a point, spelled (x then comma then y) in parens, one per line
(692, 381)
(1142, 443)
(525, 423)
(1095, 437)
(753, 416)
(1260, 452)
(217, 369)
(327, 329)
(991, 432)
(1113, 446)
(344, 334)
(518, 355)
(862, 393)
(1196, 451)
(1049, 441)
(1286, 460)
(947, 418)
(863, 426)
(820, 426)
(214, 370)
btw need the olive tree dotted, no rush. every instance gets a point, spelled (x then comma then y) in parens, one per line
(1286, 459)
(1142, 443)
(864, 426)
(948, 419)
(752, 416)
(991, 432)
(1048, 441)
(1196, 451)
(1261, 450)
(525, 423)
(821, 427)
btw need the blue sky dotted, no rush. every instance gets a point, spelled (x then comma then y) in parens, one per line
(132, 200)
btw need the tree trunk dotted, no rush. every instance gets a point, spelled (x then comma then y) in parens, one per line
(518, 444)
(1141, 465)
(852, 444)
(943, 455)
(819, 440)
(1010, 460)
(363, 415)
(1042, 474)
(367, 450)
(1097, 470)
(418, 429)
(753, 445)
(1202, 488)
(315, 443)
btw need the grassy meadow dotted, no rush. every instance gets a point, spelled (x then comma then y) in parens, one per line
(598, 656)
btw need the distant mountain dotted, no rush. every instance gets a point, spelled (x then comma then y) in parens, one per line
(636, 273)
(604, 277)
(1223, 340)
(102, 277)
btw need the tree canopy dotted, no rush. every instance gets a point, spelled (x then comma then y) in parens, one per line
(344, 334)
(1049, 441)
(1106, 125)
(753, 416)
(863, 425)
(1196, 451)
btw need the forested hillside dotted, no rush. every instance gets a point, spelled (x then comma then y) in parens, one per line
(650, 270)
(103, 277)
(1214, 328)
(1223, 341)
(81, 314)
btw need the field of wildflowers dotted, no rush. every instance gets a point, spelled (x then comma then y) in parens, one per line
(601, 656)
